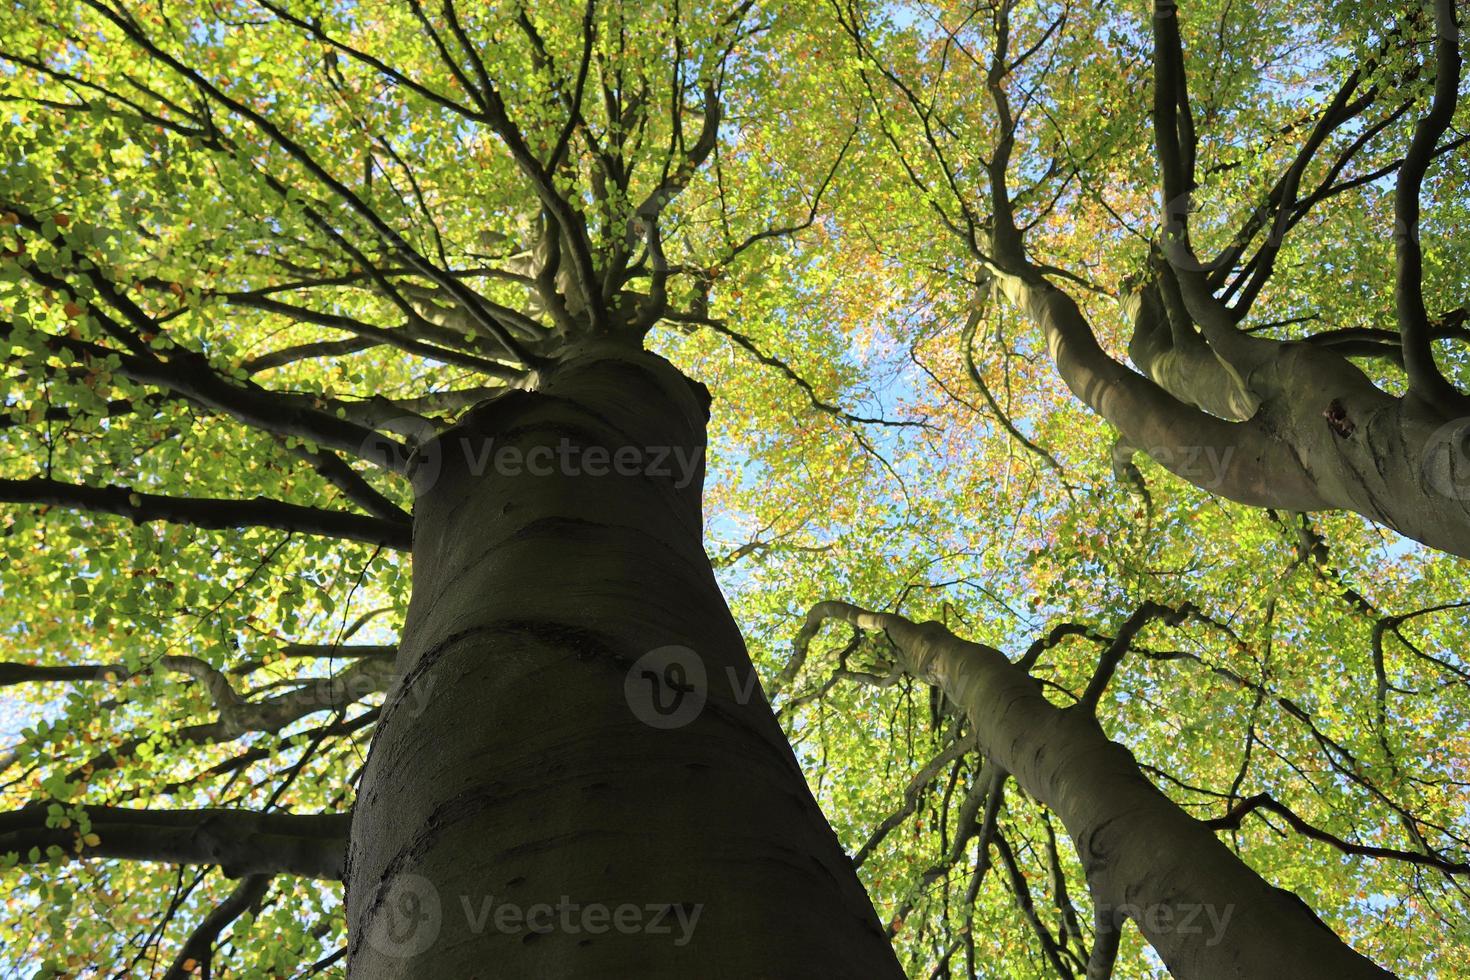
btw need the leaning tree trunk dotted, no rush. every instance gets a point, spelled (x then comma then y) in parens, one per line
(577, 774)
(1206, 913)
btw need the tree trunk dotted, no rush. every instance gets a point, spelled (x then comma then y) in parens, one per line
(578, 773)
(1289, 426)
(1204, 911)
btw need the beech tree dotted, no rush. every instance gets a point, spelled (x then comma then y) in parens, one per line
(1307, 398)
(366, 606)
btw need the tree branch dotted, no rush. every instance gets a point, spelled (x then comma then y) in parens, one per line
(211, 513)
(1264, 801)
(241, 842)
(1424, 377)
(196, 956)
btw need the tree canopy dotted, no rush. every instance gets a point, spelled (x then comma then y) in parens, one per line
(1128, 341)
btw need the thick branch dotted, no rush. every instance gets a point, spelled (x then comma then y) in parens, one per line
(241, 842)
(1424, 377)
(1137, 846)
(207, 512)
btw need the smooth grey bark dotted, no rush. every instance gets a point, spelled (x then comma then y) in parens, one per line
(1401, 461)
(1143, 855)
(241, 842)
(1280, 424)
(1320, 435)
(527, 790)
(1344, 443)
(1261, 471)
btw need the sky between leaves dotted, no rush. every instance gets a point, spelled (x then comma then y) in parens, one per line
(947, 516)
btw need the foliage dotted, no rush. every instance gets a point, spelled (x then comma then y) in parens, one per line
(865, 443)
